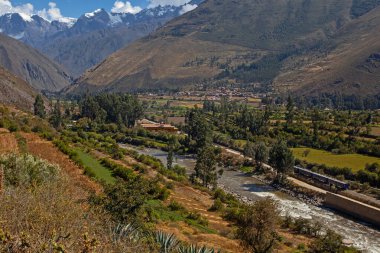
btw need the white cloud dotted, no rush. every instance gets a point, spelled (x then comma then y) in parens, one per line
(155, 3)
(187, 8)
(53, 13)
(6, 7)
(27, 10)
(121, 7)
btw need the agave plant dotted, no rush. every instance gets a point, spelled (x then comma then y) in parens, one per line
(196, 249)
(123, 232)
(167, 242)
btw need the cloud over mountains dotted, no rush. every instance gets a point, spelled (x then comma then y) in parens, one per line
(127, 7)
(27, 10)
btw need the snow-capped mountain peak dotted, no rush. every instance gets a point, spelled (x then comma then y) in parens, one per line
(93, 14)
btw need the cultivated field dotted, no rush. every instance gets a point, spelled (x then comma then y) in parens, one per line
(353, 161)
(95, 167)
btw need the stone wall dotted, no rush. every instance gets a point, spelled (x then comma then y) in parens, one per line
(354, 208)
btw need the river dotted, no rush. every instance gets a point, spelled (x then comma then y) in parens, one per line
(363, 236)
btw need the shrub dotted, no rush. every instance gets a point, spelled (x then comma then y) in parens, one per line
(226, 198)
(198, 218)
(13, 127)
(175, 206)
(164, 194)
(118, 170)
(217, 206)
(27, 171)
(179, 170)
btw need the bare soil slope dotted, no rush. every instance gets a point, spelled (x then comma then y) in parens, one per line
(30, 65)
(15, 91)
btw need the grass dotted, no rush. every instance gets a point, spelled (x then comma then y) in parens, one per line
(96, 167)
(353, 161)
(247, 169)
(165, 214)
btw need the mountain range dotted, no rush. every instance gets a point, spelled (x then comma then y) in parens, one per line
(30, 65)
(15, 92)
(306, 47)
(84, 42)
(303, 46)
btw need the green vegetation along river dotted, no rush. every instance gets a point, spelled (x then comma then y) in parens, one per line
(363, 236)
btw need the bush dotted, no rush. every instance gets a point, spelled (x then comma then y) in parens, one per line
(170, 185)
(226, 198)
(118, 170)
(217, 206)
(179, 170)
(175, 206)
(27, 171)
(13, 127)
(232, 214)
(198, 218)
(138, 167)
(163, 194)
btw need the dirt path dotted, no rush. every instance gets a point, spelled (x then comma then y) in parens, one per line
(306, 185)
(47, 151)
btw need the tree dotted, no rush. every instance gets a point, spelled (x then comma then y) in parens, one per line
(112, 108)
(261, 154)
(56, 115)
(125, 199)
(249, 150)
(331, 242)
(257, 226)
(282, 159)
(170, 159)
(205, 168)
(39, 107)
(315, 118)
(289, 112)
(198, 129)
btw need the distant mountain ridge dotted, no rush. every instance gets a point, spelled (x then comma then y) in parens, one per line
(64, 42)
(15, 91)
(302, 46)
(31, 66)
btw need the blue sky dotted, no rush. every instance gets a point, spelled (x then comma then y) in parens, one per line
(74, 8)
(63, 10)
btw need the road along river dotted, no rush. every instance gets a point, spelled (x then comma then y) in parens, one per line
(363, 236)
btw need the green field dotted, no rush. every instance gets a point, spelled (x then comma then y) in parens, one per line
(353, 161)
(99, 170)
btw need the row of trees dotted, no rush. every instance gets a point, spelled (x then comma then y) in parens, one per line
(105, 108)
(111, 108)
(55, 117)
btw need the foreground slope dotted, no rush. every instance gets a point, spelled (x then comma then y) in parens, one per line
(15, 91)
(30, 65)
(250, 42)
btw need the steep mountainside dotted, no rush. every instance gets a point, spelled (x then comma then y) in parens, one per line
(93, 36)
(15, 91)
(251, 42)
(30, 65)
(351, 66)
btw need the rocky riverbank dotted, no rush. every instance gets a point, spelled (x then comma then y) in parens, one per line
(305, 195)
